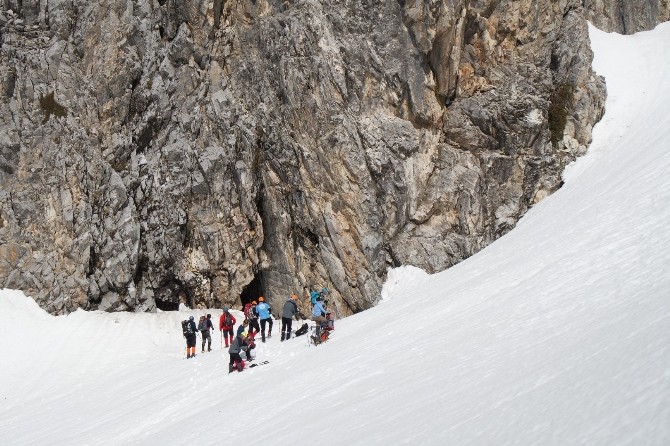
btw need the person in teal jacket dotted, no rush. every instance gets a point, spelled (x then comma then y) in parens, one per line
(314, 295)
(265, 315)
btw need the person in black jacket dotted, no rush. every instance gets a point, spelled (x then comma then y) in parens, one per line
(290, 309)
(190, 334)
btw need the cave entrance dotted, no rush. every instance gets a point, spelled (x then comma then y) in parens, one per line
(169, 296)
(166, 305)
(253, 290)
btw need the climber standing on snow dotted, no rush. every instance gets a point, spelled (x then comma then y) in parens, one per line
(189, 330)
(290, 309)
(265, 315)
(204, 327)
(226, 325)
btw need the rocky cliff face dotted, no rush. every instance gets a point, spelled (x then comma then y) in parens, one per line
(215, 151)
(627, 16)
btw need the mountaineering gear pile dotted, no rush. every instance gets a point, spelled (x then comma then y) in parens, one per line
(323, 329)
(302, 330)
(265, 315)
(290, 309)
(226, 324)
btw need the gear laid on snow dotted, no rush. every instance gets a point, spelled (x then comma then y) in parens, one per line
(302, 330)
(259, 363)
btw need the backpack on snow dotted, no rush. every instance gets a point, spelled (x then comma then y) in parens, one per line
(302, 330)
(186, 327)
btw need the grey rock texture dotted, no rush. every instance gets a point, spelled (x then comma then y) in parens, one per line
(626, 16)
(209, 152)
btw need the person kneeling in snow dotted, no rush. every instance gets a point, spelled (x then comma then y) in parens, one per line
(236, 347)
(250, 339)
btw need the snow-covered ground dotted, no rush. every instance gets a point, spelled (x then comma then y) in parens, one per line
(557, 334)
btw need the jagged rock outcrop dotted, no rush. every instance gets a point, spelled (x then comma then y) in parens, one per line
(626, 16)
(212, 151)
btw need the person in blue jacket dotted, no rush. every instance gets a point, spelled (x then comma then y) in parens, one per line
(319, 315)
(265, 315)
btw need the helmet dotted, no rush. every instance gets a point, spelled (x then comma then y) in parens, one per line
(294, 296)
(324, 291)
(225, 308)
(261, 299)
(190, 318)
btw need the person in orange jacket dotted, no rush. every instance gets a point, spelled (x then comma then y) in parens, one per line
(226, 325)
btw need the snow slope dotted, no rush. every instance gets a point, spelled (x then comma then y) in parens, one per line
(556, 334)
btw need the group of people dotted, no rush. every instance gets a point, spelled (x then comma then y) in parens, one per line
(257, 316)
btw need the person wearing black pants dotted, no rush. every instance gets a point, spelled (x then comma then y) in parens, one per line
(189, 333)
(265, 315)
(290, 309)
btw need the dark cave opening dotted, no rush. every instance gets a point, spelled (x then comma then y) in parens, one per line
(171, 294)
(166, 305)
(253, 290)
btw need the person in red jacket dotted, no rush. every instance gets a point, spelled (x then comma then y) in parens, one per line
(226, 325)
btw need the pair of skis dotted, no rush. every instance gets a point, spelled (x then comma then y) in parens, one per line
(256, 364)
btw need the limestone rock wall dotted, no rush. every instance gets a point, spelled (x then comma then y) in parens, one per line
(158, 151)
(625, 16)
